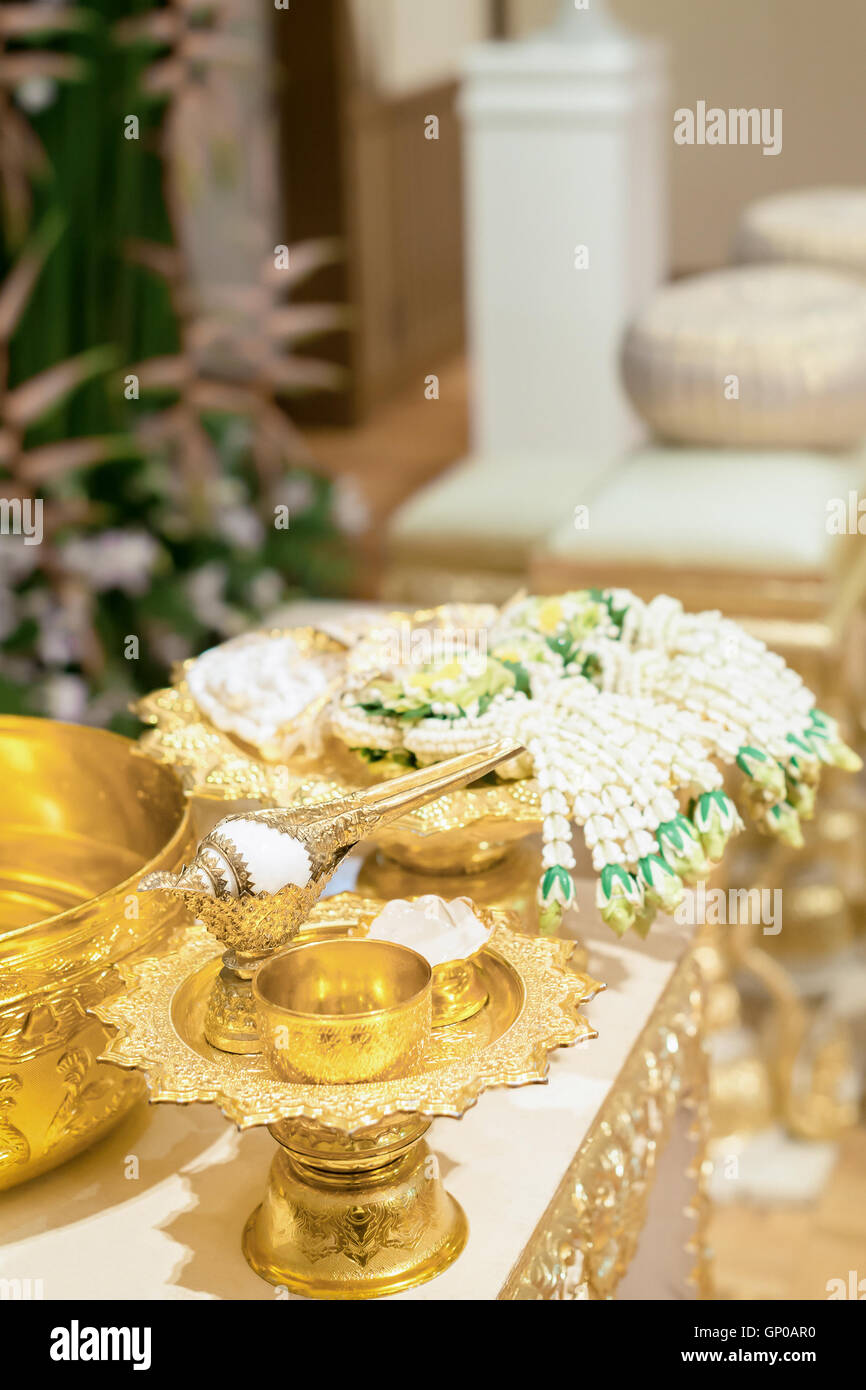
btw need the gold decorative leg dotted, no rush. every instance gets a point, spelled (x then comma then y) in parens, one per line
(230, 1020)
(354, 1216)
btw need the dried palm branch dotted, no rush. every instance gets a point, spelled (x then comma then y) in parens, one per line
(237, 351)
(23, 406)
(232, 359)
(22, 158)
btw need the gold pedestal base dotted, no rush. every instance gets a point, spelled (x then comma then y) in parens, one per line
(230, 1020)
(454, 860)
(510, 882)
(354, 1216)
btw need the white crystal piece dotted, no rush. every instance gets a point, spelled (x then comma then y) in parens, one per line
(438, 930)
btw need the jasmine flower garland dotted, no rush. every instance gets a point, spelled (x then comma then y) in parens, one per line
(628, 712)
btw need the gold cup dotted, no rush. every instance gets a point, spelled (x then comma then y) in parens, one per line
(338, 1012)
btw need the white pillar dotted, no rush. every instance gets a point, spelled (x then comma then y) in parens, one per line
(566, 138)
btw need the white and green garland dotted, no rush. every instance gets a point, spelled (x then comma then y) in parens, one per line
(628, 712)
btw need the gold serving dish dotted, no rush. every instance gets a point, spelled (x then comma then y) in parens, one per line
(84, 814)
(355, 1207)
(464, 831)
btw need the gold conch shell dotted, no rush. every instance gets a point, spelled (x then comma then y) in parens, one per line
(256, 923)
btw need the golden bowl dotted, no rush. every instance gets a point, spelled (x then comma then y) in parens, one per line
(339, 1012)
(84, 816)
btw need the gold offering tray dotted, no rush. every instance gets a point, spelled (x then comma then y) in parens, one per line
(533, 1006)
(467, 829)
(355, 1207)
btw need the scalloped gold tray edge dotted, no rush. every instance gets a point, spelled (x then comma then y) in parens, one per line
(549, 1017)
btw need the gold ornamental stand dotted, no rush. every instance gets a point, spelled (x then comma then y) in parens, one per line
(355, 1206)
(337, 1204)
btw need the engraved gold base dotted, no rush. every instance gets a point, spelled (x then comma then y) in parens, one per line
(230, 1020)
(354, 1207)
(354, 1216)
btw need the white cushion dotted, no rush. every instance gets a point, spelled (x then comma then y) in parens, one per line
(500, 501)
(715, 508)
(771, 356)
(814, 226)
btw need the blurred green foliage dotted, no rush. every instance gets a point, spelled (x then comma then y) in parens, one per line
(151, 557)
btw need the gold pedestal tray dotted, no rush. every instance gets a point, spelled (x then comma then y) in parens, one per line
(254, 924)
(355, 1207)
(464, 831)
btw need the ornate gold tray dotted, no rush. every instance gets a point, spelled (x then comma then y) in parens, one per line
(464, 831)
(534, 1003)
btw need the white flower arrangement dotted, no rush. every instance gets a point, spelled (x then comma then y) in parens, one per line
(629, 713)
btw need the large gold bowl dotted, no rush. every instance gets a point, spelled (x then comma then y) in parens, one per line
(83, 816)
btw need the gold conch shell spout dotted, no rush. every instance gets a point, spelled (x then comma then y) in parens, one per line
(362, 813)
(256, 876)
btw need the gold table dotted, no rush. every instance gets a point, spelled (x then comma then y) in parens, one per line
(590, 1186)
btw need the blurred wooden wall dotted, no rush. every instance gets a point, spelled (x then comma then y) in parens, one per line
(356, 163)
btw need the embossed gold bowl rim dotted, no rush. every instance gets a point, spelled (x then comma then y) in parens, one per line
(305, 1043)
(29, 960)
(282, 960)
(217, 765)
(542, 998)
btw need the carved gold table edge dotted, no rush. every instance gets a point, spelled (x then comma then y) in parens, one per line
(582, 1246)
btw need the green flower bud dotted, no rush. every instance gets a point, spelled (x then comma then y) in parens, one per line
(782, 821)
(822, 721)
(763, 771)
(619, 898)
(820, 745)
(802, 797)
(804, 765)
(844, 757)
(555, 894)
(557, 886)
(716, 819)
(549, 918)
(643, 922)
(662, 888)
(681, 848)
(823, 739)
